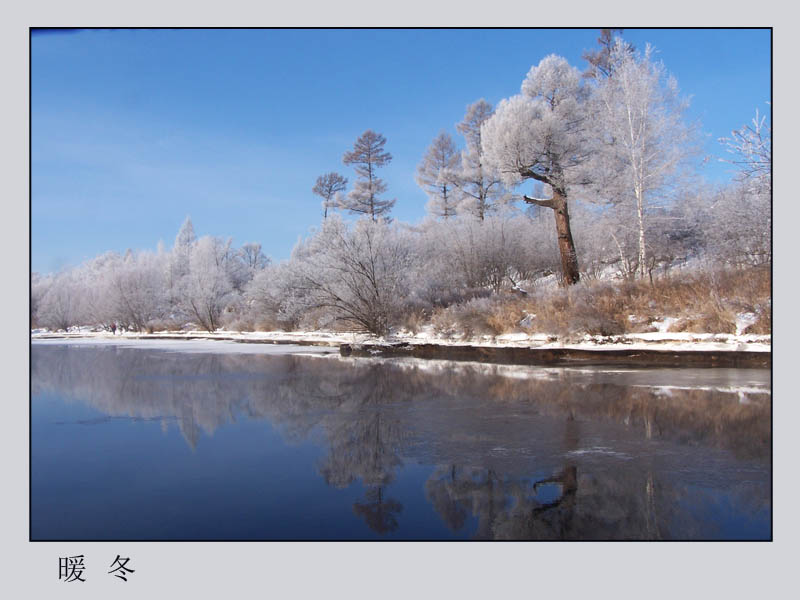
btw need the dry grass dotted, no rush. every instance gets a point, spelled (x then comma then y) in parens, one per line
(701, 301)
(470, 319)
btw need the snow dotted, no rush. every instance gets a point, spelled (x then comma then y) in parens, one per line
(603, 450)
(205, 346)
(527, 320)
(664, 324)
(657, 340)
(744, 320)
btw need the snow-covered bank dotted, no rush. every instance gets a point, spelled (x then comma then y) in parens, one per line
(668, 341)
(193, 345)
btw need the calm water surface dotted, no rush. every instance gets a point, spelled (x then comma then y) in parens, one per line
(133, 443)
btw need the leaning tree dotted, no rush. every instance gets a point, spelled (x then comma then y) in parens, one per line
(543, 134)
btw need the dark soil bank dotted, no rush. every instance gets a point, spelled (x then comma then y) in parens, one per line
(567, 356)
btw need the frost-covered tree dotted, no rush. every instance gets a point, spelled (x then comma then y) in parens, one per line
(208, 286)
(186, 235)
(600, 62)
(60, 304)
(328, 187)
(738, 226)
(272, 297)
(479, 185)
(545, 135)
(99, 293)
(741, 214)
(137, 289)
(358, 274)
(366, 157)
(39, 285)
(253, 257)
(435, 175)
(178, 265)
(234, 264)
(751, 147)
(641, 117)
(464, 257)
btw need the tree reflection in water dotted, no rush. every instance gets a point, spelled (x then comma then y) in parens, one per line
(527, 453)
(378, 513)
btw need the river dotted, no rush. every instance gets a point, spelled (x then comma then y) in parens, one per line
(176, 443)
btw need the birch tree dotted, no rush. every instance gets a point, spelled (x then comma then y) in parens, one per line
(647, 140)
(366, 157)
(544, 135)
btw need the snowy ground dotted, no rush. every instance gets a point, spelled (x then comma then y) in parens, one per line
(658, 340)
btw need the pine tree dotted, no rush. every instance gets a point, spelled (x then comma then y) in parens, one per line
(186, 236)
(601, 65)
(367, 156)
(435, 175)
(479, 186)
(328, 187)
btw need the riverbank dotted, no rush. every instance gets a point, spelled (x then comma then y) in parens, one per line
(645, 349)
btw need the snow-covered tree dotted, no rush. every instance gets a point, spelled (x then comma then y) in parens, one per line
(435, 175)
(738, 226)
(185, 238)
(275, 296)
(60, 305)
(479, 185)
(99, 293)
(646, 140)
(741, 214)
(600, 62)
(208, 286)
(39, 284)
(178, 265)
(137, 289)
(544, 135)
(463, 256)
(358, 274)
(328, 187)
(367, 156)
(253, 257)
(751, 147)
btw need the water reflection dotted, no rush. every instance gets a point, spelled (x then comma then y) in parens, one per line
(514, 453)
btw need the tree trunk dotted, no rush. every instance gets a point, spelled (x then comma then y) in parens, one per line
(642, 246)
(569, 258)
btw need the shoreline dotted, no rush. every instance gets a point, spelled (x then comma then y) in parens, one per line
(633, 350)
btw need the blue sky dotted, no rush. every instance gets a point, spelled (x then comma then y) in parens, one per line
(133, 130)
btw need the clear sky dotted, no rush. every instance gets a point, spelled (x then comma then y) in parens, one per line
(133, 130)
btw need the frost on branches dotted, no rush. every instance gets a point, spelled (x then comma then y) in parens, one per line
(366, 157)
(544, 135)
